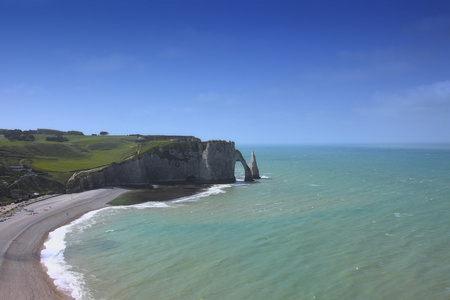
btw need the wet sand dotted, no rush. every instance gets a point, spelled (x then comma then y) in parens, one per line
(22, 276)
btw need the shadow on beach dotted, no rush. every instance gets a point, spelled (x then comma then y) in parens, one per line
(157, 193)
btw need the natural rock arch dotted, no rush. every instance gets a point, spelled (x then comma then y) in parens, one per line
(189, 162)
(240, 158)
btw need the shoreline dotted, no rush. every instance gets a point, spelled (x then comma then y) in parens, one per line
(22, 237)
(8, 210)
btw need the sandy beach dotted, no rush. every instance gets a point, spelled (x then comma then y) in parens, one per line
(21, 238)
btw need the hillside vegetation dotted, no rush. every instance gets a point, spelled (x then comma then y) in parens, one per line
(55, 162)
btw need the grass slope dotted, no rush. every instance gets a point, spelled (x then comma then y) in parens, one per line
(60, 160)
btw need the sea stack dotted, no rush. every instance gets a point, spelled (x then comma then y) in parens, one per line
(254, 167)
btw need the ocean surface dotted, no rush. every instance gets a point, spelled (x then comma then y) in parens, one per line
(324, 222)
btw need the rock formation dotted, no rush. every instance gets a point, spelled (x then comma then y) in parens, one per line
(183, 162)
(254, 167)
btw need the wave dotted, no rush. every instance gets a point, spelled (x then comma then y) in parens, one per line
(213, 190)
(52, 257)
(52, 254)
(150, 204)
(399, 215)
(242, 178)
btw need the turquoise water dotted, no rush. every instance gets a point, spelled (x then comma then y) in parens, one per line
(325, 222)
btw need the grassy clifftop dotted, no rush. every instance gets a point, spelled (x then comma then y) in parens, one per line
(57, 161)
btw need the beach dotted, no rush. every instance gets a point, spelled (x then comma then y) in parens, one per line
(22, 276)
(21, 237)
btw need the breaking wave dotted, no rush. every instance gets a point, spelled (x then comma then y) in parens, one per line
(52, 254)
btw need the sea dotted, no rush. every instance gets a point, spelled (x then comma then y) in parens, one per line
(323, 222)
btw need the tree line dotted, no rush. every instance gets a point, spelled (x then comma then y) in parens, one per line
(18, 135)
(28, 135)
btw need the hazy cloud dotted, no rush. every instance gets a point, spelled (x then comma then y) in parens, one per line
(184, 110)
(358, 73)
(432, 100)
(22, 89)
(362, 65)
(205, 37)
(439, 23)
(113, 62)
(369, 64)
(209, 97)
(369, 56)
(213, 97)
(172, 53)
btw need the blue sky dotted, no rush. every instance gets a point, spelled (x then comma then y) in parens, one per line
(323, 71)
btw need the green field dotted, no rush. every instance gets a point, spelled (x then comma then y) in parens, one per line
(54, 162)
(59, 160)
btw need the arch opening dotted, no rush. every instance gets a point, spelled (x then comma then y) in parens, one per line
(248, 173)
(239, 171)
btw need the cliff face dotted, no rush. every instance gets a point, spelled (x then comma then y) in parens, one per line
(192, 162)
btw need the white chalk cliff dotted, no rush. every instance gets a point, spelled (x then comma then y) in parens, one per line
(184, 162)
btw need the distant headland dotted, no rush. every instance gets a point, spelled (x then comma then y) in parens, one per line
(42, 161)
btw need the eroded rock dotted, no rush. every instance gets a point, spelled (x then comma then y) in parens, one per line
(188, 162)
(254, 167)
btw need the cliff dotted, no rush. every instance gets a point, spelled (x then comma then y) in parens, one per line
(181, 162)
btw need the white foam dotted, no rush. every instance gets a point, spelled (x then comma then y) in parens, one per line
(213, 190)
(86, 220)
(399, 215)
(151, 204)
(52, 257)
